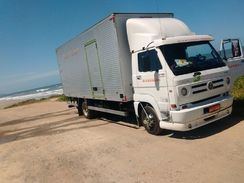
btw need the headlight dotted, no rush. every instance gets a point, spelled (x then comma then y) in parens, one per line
(183, 91)
(228, 80)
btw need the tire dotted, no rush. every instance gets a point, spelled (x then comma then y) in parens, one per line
(151, 125)
(89, 114)
(80, 111)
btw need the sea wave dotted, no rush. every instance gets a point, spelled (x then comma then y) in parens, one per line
(42, 90)
(40, 95)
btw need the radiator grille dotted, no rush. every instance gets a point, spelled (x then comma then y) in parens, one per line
(203, 87)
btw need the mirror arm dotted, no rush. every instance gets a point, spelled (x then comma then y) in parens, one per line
(225, 58)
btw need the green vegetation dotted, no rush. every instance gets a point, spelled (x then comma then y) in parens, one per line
(238, 94)
(26, 102)
(238, 89)
(62, 98)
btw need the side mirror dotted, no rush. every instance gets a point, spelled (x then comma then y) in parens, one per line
(236, 50)
(230, 48)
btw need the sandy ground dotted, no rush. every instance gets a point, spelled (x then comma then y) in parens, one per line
(47, 142)
(8, 103)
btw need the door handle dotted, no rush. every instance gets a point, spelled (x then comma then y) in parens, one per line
(138, 77)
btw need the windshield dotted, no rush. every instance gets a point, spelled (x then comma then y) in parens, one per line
(184, 58)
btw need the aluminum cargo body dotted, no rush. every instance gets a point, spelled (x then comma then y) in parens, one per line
(96, 64)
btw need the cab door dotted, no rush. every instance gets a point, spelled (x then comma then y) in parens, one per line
(149, 77)
(232, 52)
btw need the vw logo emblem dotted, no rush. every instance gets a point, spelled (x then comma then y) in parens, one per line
(210, 85)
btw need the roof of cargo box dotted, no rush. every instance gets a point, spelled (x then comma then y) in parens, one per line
(114, 15)
(132, 15)
(142, 32)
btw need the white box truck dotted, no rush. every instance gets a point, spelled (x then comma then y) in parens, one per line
(147, 64)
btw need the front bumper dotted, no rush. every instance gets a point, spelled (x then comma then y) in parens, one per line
(188, 119)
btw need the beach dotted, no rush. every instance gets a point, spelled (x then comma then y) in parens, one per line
(32, 94)
(48, 142)
(7, 103)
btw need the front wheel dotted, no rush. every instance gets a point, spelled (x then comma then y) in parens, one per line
(150, 121)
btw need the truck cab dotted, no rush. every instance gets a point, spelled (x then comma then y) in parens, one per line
(180, 81)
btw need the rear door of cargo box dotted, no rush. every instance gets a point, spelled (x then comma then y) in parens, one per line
(94, 69)
(104, 70)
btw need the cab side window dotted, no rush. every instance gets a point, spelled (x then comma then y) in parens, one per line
(149, 61)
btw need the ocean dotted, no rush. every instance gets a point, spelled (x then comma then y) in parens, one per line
(37, 93)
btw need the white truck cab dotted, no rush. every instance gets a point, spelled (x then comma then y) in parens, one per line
(179, 79)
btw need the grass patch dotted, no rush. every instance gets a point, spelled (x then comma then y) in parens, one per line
(238, 93)
(238, 89)
(26, 102)
(62, 98)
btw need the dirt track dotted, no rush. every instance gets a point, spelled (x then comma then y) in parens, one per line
(47, 142)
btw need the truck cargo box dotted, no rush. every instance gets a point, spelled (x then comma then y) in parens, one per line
(96, 64)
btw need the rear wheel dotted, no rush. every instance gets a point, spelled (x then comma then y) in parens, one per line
(89, 114)
(80, 111)
(79, 107)
(150, 121)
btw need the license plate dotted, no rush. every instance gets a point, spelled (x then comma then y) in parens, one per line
(214, 108)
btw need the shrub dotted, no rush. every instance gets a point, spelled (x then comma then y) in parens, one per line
(238, 89)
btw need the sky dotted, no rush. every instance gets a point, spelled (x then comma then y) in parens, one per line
(31, 30)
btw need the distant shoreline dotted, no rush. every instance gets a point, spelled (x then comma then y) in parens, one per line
(4, 104)
(28, 90)
(35, 94)
(20, 102)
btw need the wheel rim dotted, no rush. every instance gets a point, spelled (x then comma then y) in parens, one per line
(149, 121)
(85, 109)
